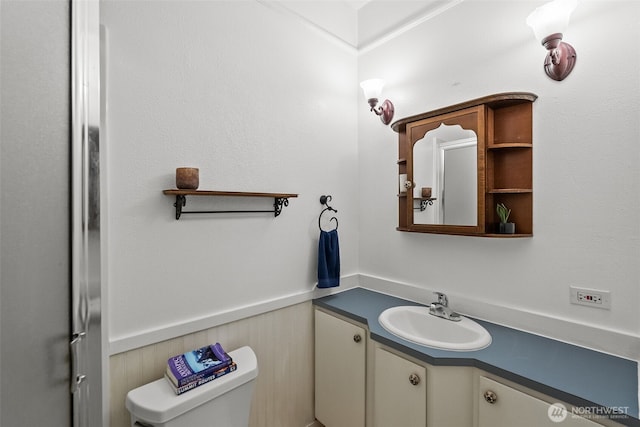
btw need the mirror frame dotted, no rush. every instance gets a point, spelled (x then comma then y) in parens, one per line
(472, 118)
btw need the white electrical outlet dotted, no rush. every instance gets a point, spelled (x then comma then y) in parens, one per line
(590, 297)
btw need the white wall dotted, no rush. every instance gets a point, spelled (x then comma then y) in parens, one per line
(586, 154)
(259, 102)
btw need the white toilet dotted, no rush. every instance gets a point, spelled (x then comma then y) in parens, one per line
(225, 401)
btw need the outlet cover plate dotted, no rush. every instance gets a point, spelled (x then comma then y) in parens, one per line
(595, 298)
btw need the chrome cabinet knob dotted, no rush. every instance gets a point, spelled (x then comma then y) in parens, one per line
(490, 397)
(414, 379)
(357, 338)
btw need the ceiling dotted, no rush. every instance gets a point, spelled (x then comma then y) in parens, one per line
(356, 4)
(363, 23)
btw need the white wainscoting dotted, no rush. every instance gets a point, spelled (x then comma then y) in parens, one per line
(283, 342)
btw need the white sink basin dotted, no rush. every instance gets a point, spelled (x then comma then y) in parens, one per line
(415, 324)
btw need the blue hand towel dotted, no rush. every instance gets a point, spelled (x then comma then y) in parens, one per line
(328, 259)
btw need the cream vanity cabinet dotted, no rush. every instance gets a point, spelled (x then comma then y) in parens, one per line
(502, 406)
(400, 391)
(408, 392)
(340, 371)
(360, 382)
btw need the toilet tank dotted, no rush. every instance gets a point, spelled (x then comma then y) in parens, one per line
(225, 401)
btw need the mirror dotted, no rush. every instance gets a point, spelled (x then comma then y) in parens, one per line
(445, 169)
(445, 163)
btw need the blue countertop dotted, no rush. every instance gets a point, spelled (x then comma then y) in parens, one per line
(576, 375)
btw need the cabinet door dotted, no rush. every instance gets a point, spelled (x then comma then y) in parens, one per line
(515, 408)
(339, 372)
(400, 396)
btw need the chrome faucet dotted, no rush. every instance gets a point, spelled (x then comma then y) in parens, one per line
(441, 308)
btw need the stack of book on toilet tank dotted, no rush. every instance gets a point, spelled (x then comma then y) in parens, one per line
(194, 368)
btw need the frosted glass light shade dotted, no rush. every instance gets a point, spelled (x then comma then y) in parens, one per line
(551, 18)
(372, 88)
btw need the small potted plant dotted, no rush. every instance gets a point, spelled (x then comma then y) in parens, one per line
(504, 226)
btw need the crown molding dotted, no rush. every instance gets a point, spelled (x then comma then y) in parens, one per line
(389, 34)
(406, 26)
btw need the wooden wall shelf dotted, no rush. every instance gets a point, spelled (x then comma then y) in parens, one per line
(280, 200)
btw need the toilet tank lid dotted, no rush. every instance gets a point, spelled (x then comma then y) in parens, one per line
(156, 402)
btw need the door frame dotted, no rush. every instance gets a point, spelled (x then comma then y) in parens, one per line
(88, 360)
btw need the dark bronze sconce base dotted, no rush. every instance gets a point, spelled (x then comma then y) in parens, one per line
(385, 110)
(561, 57)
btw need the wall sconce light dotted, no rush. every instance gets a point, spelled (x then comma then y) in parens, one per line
(549, 21)
(372, 89)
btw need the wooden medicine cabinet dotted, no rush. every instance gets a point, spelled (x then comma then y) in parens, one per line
(457, 163)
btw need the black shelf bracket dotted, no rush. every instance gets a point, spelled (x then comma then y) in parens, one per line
(278, 204)
(424, 203)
